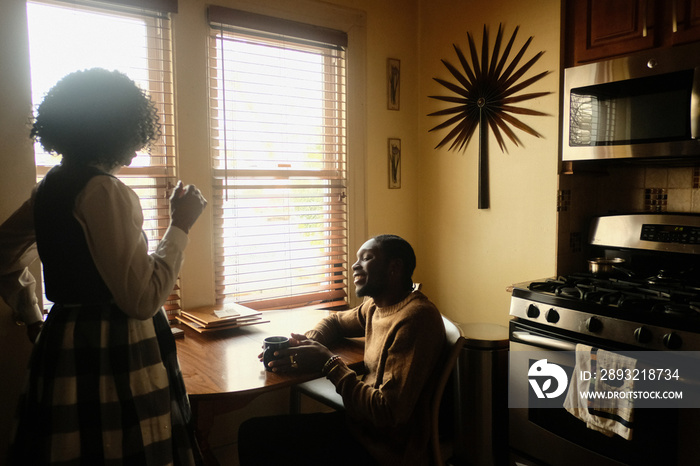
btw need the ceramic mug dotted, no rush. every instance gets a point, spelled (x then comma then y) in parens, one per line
(270, 345)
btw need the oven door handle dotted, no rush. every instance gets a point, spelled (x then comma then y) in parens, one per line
(695, 105)
(544, 342)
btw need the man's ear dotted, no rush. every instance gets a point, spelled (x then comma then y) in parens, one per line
(396, 267)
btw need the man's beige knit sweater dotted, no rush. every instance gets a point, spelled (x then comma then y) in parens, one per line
(388, 407)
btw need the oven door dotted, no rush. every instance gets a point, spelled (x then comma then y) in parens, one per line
(552, 436)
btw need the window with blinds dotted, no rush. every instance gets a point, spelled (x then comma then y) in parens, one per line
(278, 140)
(65, 37)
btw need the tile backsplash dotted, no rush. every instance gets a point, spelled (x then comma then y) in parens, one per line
(656, 199)
(616, 190)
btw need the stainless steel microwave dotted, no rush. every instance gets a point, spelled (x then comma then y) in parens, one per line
(641, 105)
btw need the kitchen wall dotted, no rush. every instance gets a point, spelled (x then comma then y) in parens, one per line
(466, 256)
(470, 256)
(16, 179)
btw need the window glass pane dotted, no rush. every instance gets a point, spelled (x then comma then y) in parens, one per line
(279, 158)
(63, 40)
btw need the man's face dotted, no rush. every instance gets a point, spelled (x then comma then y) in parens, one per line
(371, 271)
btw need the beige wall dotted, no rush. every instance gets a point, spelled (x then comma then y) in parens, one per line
(470, 256)
(466, 256)
(16, 181)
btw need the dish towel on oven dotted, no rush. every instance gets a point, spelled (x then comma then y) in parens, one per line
(606, 409)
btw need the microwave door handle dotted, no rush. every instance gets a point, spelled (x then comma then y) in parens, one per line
(695, 106)
(544, 342)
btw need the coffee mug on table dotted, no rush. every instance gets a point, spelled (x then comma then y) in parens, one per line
(270, 345)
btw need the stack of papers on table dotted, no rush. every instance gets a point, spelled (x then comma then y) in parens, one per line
(208, 319)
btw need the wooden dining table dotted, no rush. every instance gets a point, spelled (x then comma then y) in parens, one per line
(222, 371)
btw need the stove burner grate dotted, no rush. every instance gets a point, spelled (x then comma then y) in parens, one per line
(670, 301)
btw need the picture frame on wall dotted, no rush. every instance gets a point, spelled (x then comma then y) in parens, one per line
(393, 83)
(394, 159)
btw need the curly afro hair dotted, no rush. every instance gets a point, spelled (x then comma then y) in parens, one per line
(95, 115)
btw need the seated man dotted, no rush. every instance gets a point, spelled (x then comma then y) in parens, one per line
(386, 419)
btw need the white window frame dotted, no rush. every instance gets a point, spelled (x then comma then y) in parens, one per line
(286, 285)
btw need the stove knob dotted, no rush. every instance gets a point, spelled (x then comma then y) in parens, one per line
(594, 324)
(672, 341)
(642, 335)
(552, 316)
(533, 312)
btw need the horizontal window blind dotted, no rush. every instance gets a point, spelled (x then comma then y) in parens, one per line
(135, 42)
(278, 139)
(163, 6)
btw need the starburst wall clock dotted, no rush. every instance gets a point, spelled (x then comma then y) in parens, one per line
(484, 95)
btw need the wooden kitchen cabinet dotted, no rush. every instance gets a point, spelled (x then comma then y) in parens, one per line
(601, 29)
(686, 21)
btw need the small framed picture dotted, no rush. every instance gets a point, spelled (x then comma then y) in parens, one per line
(394, 157)
(393, 83)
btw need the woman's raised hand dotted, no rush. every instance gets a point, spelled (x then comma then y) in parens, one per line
(186, 204)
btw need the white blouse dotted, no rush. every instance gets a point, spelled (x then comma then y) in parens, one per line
(111, 217)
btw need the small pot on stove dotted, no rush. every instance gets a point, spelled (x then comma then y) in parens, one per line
(602, 265)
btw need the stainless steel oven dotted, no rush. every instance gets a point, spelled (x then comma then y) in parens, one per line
(547, 436)
(626, 309)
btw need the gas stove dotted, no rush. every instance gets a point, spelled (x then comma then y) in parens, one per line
(652, 302)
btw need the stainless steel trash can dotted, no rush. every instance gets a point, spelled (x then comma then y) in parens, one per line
(481, 424)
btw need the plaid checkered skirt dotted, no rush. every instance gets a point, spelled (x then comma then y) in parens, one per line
(104, 389)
